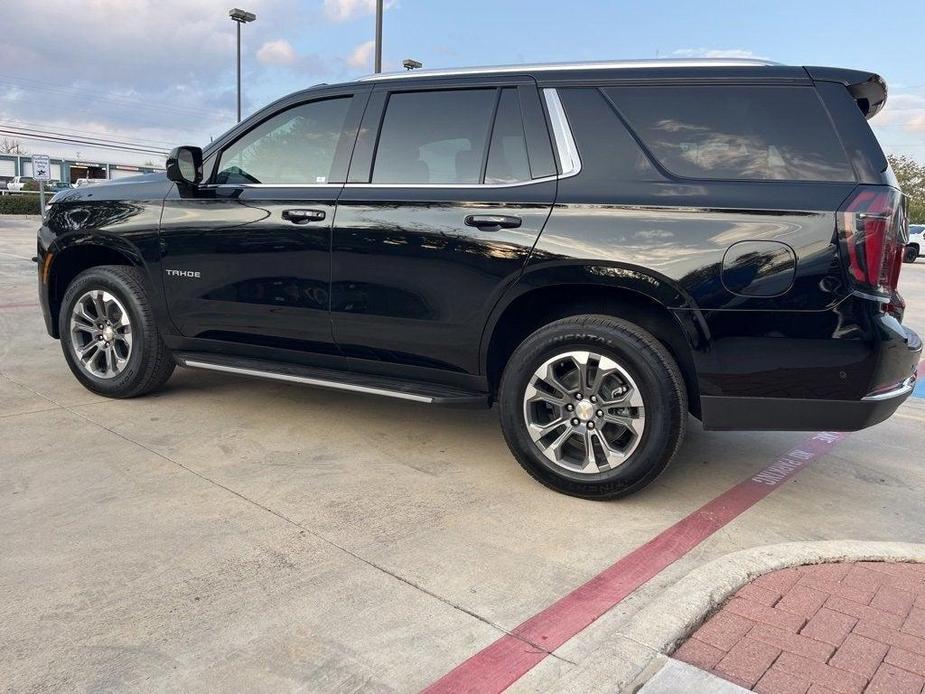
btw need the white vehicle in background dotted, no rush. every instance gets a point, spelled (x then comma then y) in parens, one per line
(90, 181)
(19, 182)
(916, 242)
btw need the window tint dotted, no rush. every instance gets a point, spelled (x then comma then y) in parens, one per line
(756, 133)
(507, 154)
(296, 146)
(434, 137)
(608, 152)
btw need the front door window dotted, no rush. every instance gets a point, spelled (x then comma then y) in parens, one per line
(296, 146)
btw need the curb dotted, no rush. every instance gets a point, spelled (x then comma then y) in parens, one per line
(662, 624)
(676, 677)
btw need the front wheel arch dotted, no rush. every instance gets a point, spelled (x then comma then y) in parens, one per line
(69, 262)
(92, 326)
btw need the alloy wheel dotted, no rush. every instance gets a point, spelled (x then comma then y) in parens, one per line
(584, 412)
(101, 334)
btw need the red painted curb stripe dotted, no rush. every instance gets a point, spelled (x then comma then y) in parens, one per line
(30, 305)
(498, 666)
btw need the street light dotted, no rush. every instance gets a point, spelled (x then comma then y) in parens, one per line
(240, 17)
(378, 67)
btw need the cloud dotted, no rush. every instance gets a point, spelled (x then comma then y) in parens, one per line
(905, 111)
(165, 76)
(197, 33)
(362, 55)
(916, 124)
(278, 52)
(345, 10)
(900, 126)
(717, 53)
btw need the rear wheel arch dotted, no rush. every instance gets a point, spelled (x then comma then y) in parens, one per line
(539, 306)
(70, 261)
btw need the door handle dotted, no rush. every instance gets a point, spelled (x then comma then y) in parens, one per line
(303, 216)
(492, 222)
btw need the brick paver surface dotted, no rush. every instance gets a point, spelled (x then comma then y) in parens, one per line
(851, 628)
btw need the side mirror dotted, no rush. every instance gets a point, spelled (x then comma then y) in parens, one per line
(184, 165)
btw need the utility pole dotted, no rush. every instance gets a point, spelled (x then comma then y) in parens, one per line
(238, 91)
(378, 67)
(240, 17)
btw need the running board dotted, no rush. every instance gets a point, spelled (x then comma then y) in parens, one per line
(429, 393)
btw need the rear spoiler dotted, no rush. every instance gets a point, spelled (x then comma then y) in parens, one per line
(867, 88)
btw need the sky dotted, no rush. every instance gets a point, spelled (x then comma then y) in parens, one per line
(162, 73)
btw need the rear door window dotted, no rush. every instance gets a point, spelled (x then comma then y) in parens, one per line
(507, 155)
(434, 137)
(744, 133)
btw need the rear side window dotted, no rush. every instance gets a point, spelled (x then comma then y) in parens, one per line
(434, 137)
(750, 133)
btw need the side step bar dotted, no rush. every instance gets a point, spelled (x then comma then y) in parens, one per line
(429, 393)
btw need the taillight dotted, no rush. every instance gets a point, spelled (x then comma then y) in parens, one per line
(871, 231)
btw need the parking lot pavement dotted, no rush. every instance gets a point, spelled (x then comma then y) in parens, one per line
(228, 533)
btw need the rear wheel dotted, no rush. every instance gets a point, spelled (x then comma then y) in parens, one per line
(593, 406)
(108, 334)
(911, 254)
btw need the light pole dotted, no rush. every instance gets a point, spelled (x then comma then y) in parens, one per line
(378, 67)
(240, 17)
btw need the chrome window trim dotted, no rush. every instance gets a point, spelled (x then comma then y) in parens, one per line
(590, 65)
(562, 134)
(544, 179)
(270, 185)
(530, 182)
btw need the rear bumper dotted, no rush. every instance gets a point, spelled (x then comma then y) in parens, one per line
(897, 361)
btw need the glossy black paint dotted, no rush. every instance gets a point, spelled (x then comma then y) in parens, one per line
(412, 283)
(745, 275)
(759, 268)
(110, 221)
(261, 277)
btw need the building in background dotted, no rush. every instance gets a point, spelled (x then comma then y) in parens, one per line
(69, 170)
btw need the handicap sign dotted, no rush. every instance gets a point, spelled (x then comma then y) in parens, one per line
(41, 167)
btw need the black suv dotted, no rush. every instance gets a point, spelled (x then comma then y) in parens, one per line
(599, 248)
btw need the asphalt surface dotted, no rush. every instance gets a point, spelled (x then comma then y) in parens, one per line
(233, 534)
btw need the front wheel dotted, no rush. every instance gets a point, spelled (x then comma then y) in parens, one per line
(108, 334)
(593, 406)
(911, 254)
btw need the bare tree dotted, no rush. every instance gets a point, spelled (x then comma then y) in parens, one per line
(12, 147)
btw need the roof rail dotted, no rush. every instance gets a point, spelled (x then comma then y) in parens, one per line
(592, 65)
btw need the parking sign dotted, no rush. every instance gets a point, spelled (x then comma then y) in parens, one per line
(41, 167)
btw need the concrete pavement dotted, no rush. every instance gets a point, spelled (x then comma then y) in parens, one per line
(231, 534)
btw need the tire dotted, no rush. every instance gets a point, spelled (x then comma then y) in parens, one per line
(140, 362)
(645, 375)
(911, 254)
